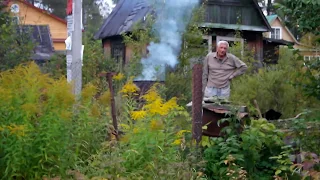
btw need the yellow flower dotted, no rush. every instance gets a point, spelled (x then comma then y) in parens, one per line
(138, 115)
(177, 142)
(129, 88)
(95, 111)
(181, 132)
(88, 92)
(18, 130)
(156, 125)
(105, 98)
(151, 95)
(118, 77)
(30, 108)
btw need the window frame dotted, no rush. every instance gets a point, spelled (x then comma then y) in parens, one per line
(280, 31)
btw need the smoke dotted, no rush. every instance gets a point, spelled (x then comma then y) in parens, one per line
(172, 17)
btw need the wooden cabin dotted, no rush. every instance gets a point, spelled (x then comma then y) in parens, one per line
(29, 15)
(223, 18)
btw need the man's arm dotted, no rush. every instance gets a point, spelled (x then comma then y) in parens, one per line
(205, 74)
(241, 67)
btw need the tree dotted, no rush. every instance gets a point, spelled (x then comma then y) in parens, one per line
(304, 14)
(15, 47)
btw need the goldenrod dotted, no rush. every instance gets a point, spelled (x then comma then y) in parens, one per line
(118, 77)
(138, 115)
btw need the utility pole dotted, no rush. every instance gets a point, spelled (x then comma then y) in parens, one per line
(74, 45)
(76, 65)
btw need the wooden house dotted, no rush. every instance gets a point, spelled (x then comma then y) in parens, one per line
(281, 33)
(223, 18)
(27, 14)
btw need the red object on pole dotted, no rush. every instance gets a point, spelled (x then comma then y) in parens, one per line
(69, 7)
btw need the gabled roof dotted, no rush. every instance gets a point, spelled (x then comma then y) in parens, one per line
(262, 15)
(271, 18)
(128, 12)
(122, 18)
(40, 36)
(39, 10)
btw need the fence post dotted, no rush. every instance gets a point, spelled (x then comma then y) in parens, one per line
(197, 102)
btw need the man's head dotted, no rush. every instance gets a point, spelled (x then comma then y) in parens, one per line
(222, 49)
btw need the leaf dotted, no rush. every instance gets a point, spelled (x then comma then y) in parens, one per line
(278, 172)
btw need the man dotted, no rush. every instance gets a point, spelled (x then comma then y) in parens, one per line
(219, 68)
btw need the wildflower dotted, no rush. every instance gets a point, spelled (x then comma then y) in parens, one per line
(95, 111)
(88, 92)
(177, 142)
(151, 95)
(129, 88)
(30, 108)
(118, 77)
(105, 98)
(156, 124)
(18, 130)
(138, 115)
(181, 132)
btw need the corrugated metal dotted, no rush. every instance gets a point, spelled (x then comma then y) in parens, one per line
(121, 19)
(40, 36)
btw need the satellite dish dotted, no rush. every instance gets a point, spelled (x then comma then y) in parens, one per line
(15, 8)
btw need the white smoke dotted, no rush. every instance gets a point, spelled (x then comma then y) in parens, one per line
(105, 7)
(172, 17)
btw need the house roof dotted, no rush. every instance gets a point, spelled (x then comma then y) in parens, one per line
(126, 13)
(277, 41)
(271, 18)
(40, 10)
(122, 18)
(40, 36)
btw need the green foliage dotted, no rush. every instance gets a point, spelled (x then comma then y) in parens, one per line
(257, 152)
(15, 47)
(274, 87)
(41, 135)
(303, 13)
(153, 146)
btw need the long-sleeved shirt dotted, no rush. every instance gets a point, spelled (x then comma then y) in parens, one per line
(217, 73)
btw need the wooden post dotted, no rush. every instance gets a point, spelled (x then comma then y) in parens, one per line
(197, 102)
(109, 76)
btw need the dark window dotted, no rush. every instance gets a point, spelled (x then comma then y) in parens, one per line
(118, 51)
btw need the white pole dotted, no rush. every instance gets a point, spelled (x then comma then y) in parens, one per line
(76, 51)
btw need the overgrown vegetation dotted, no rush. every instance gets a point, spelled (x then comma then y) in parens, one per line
(45, 133)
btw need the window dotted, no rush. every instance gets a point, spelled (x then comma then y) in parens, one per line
(308, 58)
(118, 51)
(207, 41)
(276, 33)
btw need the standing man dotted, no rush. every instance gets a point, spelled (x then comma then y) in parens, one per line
(219, 68)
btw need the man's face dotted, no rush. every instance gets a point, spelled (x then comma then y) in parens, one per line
(222, 50)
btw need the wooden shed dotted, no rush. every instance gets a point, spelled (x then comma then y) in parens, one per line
(223, 18)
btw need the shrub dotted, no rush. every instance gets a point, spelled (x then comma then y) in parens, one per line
(41, 134)
(152, 146)
(274, 87)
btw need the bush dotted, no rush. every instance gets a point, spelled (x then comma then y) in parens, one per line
(41, 133)
(153, 146)
(257, 153)
(274, 87)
